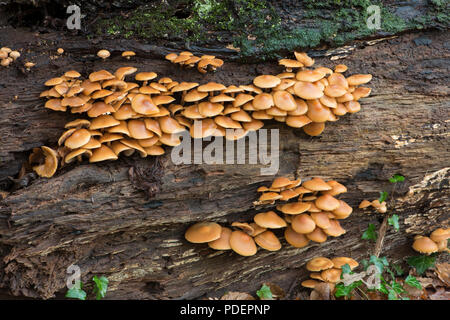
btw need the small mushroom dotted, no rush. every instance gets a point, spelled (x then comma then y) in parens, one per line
(223, 242)
(28, 65)
(339, 262)
(295, 239)
(303, 223)
(128, 54)
(242, 243)
(425, 245)
(440, 234)
(319, 264)
(269, 220)
(103, 54)
(48, 159)
(202, 232)
(267, 240)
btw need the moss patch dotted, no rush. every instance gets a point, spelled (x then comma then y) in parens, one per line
(257, 28)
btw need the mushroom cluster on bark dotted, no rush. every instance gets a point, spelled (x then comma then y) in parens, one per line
(8, 56)
(188, 60)
(380, 207)
(327, 271)
(436, 242)
(313, 217)
(146, 114)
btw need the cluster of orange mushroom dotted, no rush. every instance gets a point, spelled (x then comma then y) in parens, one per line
(315, 217)
(436, 242)
(188, 60)
(8, 56)
(380, 207)
(326, 270)
(145, 115)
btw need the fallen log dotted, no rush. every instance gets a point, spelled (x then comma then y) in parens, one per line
(99, 216)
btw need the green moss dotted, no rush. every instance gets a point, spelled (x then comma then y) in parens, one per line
(256, 28)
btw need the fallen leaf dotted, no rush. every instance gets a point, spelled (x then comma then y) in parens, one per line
(430, 282)
(237, 296)
(277, 292)
(413, 291)
(443, 272)
(440, 294)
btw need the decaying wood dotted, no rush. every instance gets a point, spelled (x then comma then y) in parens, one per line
(92, 215)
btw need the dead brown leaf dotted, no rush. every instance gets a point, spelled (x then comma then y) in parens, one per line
(440, 294)
(277, 292)
(237, 296)
(430, 282)
(443, 272)
(413, 291)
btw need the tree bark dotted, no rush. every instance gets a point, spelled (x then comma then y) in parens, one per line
(95, 216)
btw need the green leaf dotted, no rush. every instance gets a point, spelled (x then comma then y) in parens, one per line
(365, 264)
(413, 282)
(101, 286)
(76, 293)
(346, 291)
(346, 269)
(392, 295)
(380, 263)
(421, 263)
(397, 287)
(383, 288)
(390, 273)
(397, 178)
(383, 196)
(398, 269)
(264, 293)
(393, 221)
(370, 233)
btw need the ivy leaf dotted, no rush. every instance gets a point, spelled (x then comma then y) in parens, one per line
(346, 269)
(346, 291)
(393, 221)
(264, 293)
(383, 196)
(101, 286)
(392, 295)
(370, 233)
(397, 178)
(382, 288)
(397, 287)
(365, 264)
(421, 263)
(380, 263)
(390, 273)
(413, 282)
(398, 269)
(76, 292)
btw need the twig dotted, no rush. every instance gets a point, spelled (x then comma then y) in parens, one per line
(381, 234)
(384, 226)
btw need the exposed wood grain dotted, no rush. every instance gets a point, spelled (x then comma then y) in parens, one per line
(92, 215)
